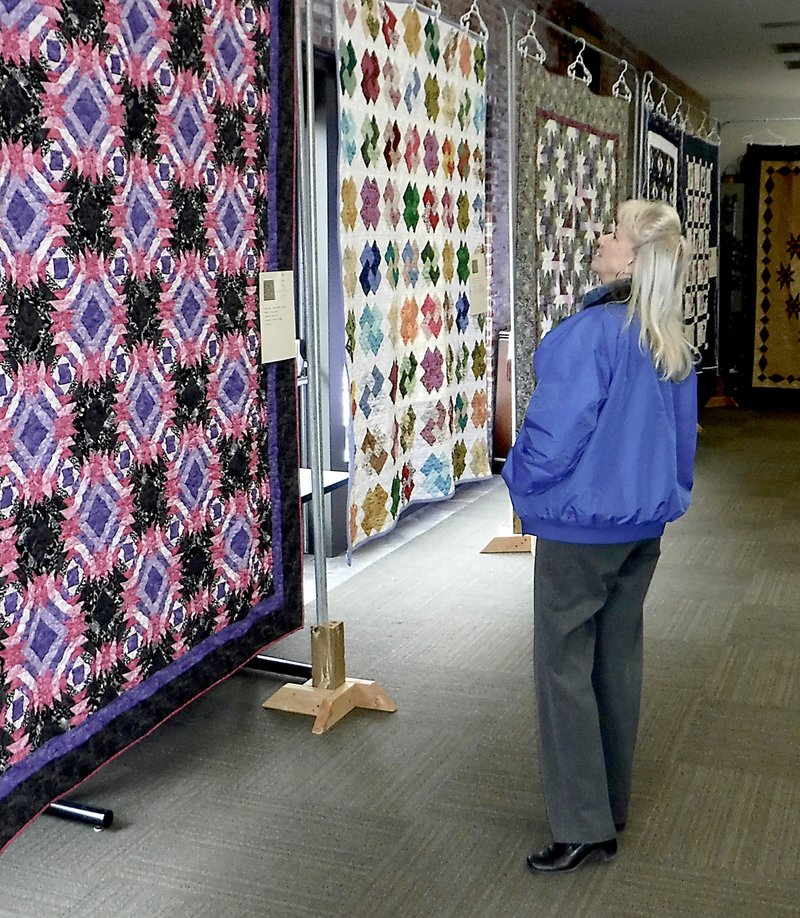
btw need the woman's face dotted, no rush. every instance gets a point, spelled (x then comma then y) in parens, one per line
(614, 256)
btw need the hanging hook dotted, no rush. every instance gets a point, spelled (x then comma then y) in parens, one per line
(713, 134)
(538, 54)
(431, 7)
(678, 118)
(661, 108)
(703, 129)
(620, 89)
(572, 70)
(482, 31)
(647, 89)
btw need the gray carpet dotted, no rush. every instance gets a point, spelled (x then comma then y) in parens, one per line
(231, 810)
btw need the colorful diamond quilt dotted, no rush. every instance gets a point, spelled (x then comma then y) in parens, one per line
(773, 189)
(412, 186)
(149, 539)
(698, 206)
(573, 171)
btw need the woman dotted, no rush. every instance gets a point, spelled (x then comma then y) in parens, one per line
(603, 461)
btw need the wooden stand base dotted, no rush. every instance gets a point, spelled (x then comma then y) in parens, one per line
(329, 706)
(722, 401)
(509, 543)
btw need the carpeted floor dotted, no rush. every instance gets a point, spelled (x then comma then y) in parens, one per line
(231, 810)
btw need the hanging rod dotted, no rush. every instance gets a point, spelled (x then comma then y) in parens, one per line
(650, 78)
(574, 37)
(758, 120)
(434, 9)
(647, 81)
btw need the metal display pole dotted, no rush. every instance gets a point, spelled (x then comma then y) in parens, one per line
(328, 695)
(309, 228)
(511, 88)
(307, 251)
(517, 541)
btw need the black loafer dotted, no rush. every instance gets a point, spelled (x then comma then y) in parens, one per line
(561, 858)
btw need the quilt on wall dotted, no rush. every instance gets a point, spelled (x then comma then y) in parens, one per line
(412, 186)
(698, 206)
(149, 536)
(773, 212)
(573, 171)
(662, 159)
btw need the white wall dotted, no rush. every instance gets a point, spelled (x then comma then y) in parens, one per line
(738, 111)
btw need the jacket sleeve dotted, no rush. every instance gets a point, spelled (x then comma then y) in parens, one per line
(573, 374)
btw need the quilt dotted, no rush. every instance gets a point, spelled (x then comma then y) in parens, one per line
(149, 534)
(573, 170)
(412, 232)
(698, 207)
(773, 215)
(662, 159)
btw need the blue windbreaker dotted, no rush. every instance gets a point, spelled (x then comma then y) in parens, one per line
(606, 450)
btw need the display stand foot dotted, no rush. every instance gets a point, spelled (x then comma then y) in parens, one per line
(722, 401)
(94, 816)
(328, 695)
(328, 706)
(509, 543)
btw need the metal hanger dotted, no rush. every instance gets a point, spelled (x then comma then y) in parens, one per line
(661, 108)
(620, 89)
(572, 70)
(647, 89)
(765, 136)
(678, 118)
(433, 7)
(538, 54)
(474, 11)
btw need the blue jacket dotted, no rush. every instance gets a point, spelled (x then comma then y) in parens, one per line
(606, 450)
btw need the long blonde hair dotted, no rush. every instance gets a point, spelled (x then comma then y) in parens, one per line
(657, 284)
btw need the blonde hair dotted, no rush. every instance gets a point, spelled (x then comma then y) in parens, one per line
(657, 284)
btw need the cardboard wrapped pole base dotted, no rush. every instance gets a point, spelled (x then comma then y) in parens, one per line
(329, 695)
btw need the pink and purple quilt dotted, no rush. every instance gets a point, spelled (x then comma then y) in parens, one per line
(149, 539)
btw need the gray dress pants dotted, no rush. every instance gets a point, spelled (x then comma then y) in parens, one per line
(587, 602)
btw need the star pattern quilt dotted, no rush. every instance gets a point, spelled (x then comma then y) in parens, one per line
(149, 537)
(773, 213)
(412, 229)
(573, 171)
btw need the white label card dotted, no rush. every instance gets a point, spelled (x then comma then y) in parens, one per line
(276, 313)
(712, 262)
(479, 298)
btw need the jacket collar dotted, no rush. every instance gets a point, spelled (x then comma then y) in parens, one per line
(615, 292)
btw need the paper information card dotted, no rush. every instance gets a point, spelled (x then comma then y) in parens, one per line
(479, 299)
(276, 313)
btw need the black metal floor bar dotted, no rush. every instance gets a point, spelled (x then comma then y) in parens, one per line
(281, 667)
(94, 816)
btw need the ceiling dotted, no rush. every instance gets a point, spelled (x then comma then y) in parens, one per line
(718, 47)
